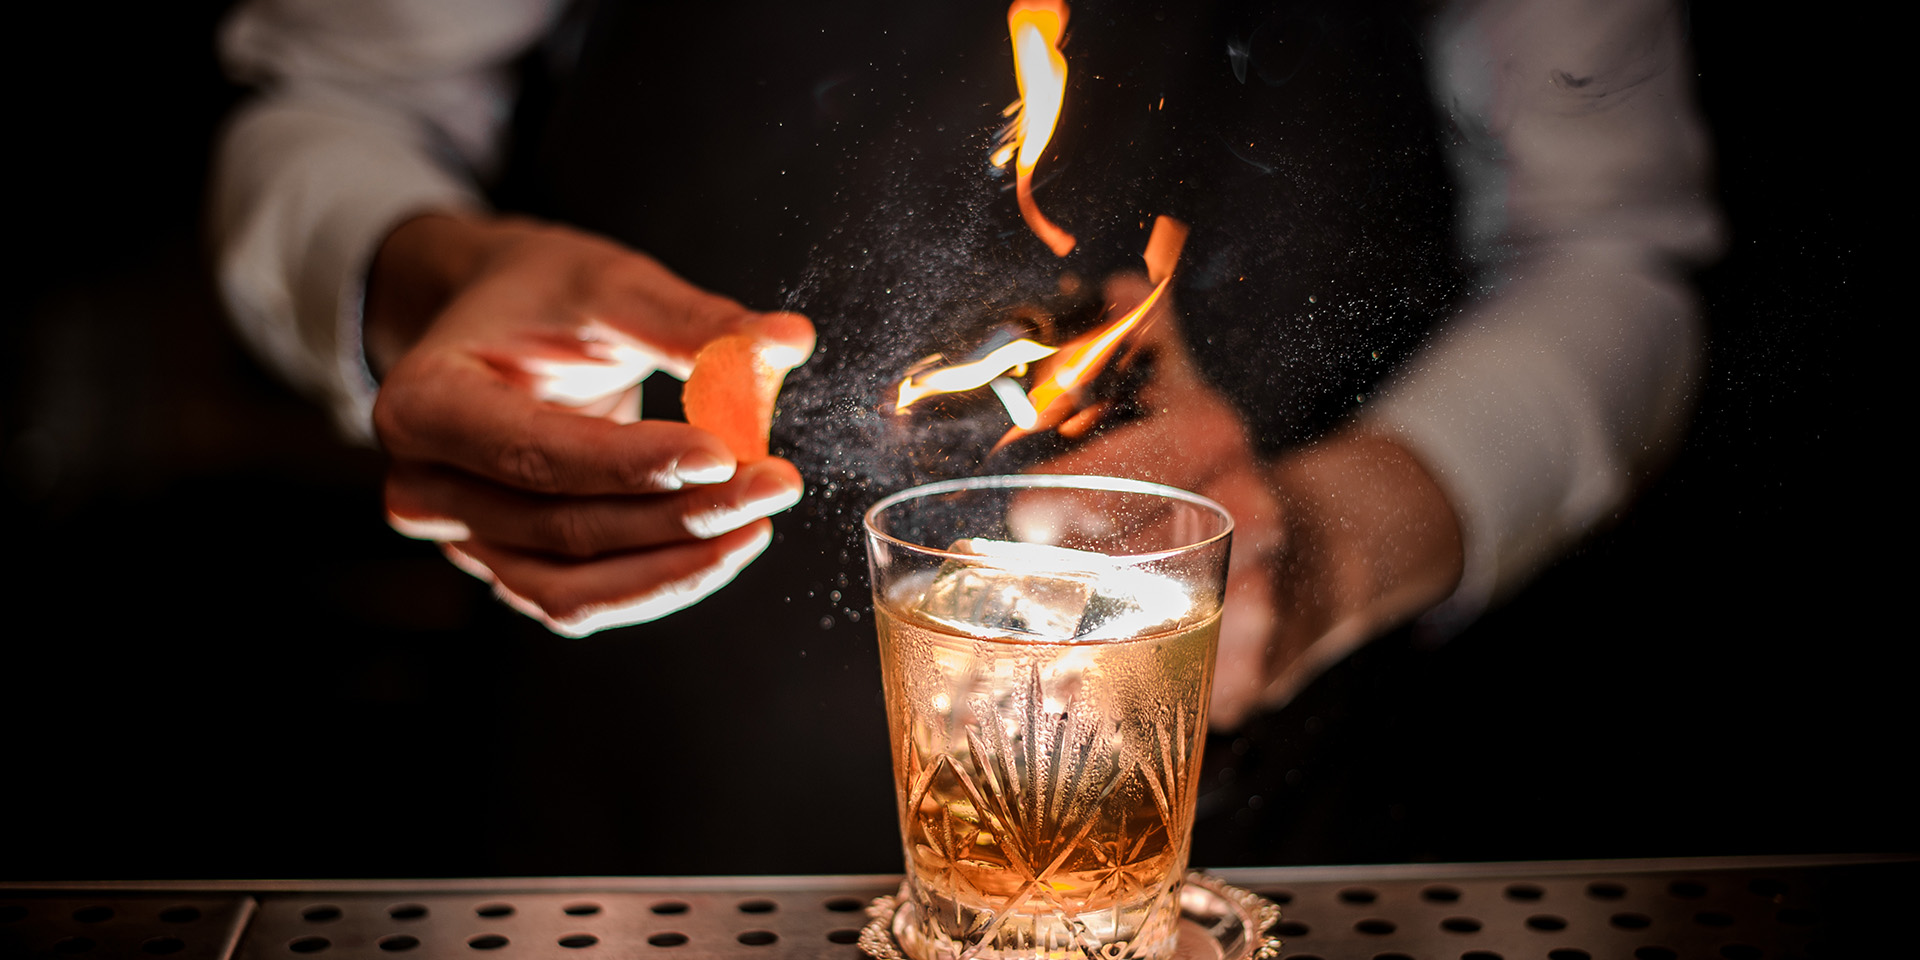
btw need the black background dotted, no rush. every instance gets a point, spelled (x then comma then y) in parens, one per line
(218, 662)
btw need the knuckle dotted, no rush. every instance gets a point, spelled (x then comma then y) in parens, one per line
(389, 419)
(574, 531)
(404, 403)
(529, 463)
(643, 473)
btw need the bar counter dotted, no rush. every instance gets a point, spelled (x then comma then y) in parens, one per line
(1737, 908)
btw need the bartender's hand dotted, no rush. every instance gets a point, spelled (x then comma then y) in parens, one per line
(510, 354)
(1332, 545)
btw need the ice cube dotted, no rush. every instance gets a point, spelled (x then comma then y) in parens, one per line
(1014, 589)
(1049, 593)
(1133, 603)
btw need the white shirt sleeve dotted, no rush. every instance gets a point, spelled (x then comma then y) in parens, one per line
(1569, 377)
(370, 111)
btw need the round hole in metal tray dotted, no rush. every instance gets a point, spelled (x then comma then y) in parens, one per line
(845, 904)
(577, 941)
(1524, 892)
(398, 942)
(1654, 953)
(1391, 956)
(1440, 893)
(1460, 925)
(1481, 955)
(1358, 895)
(93, 914)
(1291, 928)
(180, 914)
(1375, 926)
(1631, 921)
(1606, 890)
(309, 944)
(407, 911)
(758, 906)
(1687, 889)
(162, 946)
(757, 938)
(581, 909)
(1547, 922)
(843, 936)
(1569, 953)
(73, 945)
(321, 913)
(487, 941)
(667, 939)
(1713, 918)
(668, 908)
(494, 911)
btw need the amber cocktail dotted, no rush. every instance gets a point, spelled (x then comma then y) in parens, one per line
(1047, 645)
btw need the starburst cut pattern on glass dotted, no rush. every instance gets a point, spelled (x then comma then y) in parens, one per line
(1033, 801)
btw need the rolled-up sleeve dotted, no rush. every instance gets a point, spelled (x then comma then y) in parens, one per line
(368, 112)
(1568, 378)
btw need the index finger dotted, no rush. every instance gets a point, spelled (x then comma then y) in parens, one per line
(464, 415)
(643, 298)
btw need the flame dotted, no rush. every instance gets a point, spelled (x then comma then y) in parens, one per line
(1041, 70)
(966, 376)
(1072, 366)
(1088, 356)
(1019, 409)
(1164, 244)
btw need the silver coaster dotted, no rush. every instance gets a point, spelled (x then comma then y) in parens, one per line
(1218, 921)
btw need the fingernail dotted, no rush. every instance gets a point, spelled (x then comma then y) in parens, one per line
(435, 528)
(770, 492)
(701, 466)
(767, 493)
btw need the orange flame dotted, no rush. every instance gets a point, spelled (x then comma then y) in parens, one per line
(1036, 27)
(1072, 365)
(1090, 355)
(966, 376)
(1081, 360)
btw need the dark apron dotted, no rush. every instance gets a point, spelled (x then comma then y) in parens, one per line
(833, 160)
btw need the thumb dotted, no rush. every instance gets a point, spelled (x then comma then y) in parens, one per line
(789, 338)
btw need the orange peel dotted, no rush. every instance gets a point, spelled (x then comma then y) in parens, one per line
(732, 388)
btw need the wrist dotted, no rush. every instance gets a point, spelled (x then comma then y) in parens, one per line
(420, 266)
(1375, 527)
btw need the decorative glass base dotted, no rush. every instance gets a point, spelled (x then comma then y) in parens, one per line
(1218, 921)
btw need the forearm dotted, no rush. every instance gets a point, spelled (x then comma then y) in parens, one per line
(1542, 409)
(1361, 507)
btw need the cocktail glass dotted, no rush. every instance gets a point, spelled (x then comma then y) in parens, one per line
(1047, 644)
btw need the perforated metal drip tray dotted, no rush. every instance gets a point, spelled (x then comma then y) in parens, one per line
(1640, 909)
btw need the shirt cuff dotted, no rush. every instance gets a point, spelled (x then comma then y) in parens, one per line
(1539, 410)
(310, 187)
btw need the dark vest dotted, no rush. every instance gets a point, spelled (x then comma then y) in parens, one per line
(832, 159)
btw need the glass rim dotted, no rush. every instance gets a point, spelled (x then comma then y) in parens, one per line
(1074, 481)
